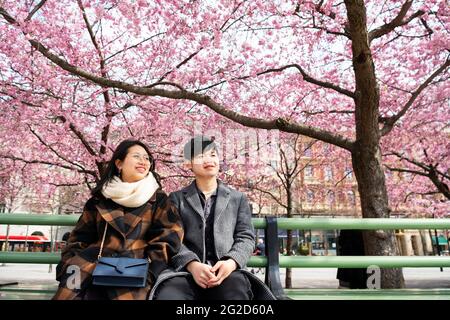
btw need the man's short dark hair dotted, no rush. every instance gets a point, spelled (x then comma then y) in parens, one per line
(198, 145)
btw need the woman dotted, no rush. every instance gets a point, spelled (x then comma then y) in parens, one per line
(140, 222)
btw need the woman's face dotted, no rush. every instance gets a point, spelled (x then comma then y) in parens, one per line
(135, 166)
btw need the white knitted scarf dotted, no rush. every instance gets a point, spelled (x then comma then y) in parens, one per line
(133, 194)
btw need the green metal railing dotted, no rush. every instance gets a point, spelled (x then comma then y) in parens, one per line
(259, 223)
(38, 219)
(285, 262)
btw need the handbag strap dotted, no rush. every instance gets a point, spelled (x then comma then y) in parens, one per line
(103, 241)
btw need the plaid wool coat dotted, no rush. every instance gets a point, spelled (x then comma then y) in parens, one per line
(153, 230)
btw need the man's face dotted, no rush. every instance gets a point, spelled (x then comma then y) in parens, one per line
(205, 164)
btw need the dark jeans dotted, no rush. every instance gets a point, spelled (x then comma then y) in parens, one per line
(235, 287)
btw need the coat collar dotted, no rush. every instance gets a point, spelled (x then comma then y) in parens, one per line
(113, 214)
(223, 196)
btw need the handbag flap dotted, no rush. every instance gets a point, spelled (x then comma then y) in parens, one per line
(122, 262)
(117, 266)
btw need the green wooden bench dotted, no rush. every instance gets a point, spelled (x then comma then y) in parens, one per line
(272, 261)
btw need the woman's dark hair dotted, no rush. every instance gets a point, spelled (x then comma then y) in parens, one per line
(119, 154)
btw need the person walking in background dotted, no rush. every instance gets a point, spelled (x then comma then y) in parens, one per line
(260, 250)
(351, 243)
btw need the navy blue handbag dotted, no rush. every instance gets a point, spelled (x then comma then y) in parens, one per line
(121, 271)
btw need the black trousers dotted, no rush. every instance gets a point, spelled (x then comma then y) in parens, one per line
(235, 287)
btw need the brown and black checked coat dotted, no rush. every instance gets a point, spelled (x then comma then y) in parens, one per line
(153, 230)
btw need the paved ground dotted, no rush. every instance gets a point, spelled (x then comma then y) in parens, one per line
(302, 278)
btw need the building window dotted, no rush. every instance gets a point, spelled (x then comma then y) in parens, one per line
(308, 150)
(388, 174)
(310, 196)
(330, 198)
(406, 176)
(309, 172)
(328, 173)
(351, 198)
(274, 164)
(348, 173)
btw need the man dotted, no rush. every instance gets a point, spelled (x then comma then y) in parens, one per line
(260, 251)
(219, 237)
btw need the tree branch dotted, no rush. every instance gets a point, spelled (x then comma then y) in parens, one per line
(35, 9)
(271, 195)
(412, 161)
(80, 136)
(390, 121)
(429, 171)
(52, 149)
(420, 173)
(305, 76)
(192, 55)
(133, 46)
(420, 194)
(398, 21)
(319, 9)
(309, 79)
(93, 173)
(280, 123)
(109, 115)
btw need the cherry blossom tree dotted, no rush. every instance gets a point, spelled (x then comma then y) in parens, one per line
(353, 74)
(421, 176)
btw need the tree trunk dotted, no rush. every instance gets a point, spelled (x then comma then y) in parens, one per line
(288, 280)
(366, 155)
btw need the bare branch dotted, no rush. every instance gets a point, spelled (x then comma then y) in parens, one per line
(343, 178)
(281, 124)
(90, 31)
(270, 194)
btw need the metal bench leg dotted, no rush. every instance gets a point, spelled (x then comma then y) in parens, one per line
(272, 277)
